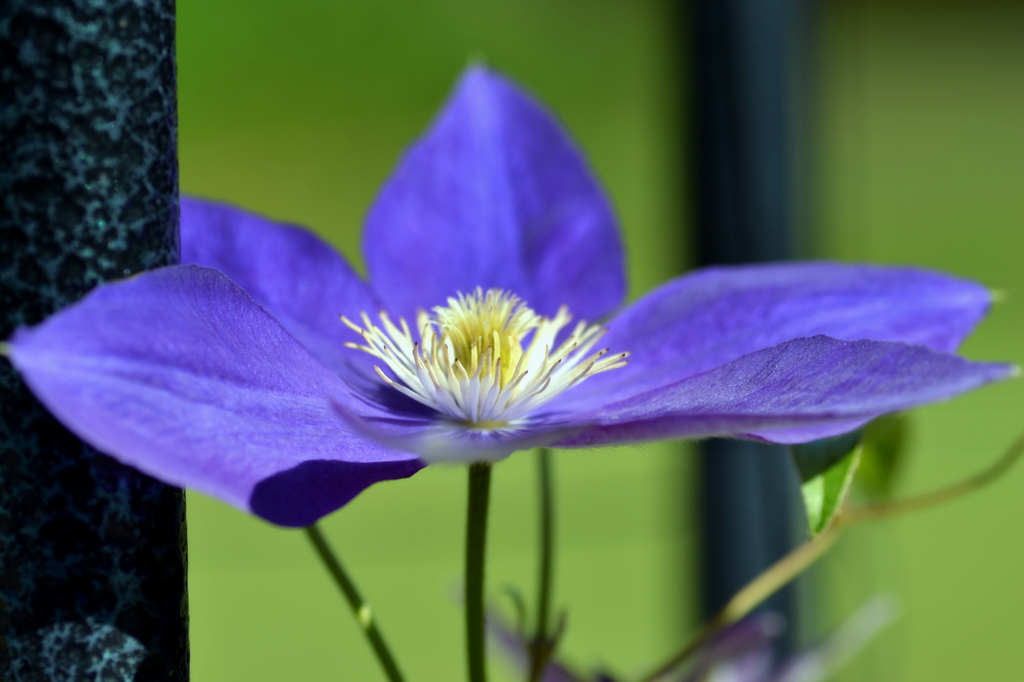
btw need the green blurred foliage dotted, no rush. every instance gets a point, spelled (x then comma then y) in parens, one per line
(298, 110)
(885, 444)
(816, 458)
(922, 162)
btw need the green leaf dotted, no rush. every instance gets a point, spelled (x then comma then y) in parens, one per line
(814, 459)
(884, 442)
(824, 494)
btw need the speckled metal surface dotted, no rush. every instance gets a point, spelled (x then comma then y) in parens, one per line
(92, 553)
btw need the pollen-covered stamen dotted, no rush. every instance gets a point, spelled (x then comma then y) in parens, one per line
(470, 362)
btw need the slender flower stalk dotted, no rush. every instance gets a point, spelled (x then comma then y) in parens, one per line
(361, 610)
(476, 542)
(779, 574)
(541, 648)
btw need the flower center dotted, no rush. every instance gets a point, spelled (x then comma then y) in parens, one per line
(474, 361)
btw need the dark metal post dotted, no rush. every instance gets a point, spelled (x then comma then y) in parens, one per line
(746, 98)
(92, 553)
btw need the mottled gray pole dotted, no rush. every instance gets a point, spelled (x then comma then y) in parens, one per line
(92, 553)
(748, 65)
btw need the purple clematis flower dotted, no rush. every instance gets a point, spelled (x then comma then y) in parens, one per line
(233, 375)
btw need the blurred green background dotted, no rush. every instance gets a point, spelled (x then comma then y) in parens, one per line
(298, 110)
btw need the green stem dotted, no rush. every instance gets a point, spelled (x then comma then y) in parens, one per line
(361, 610)
(891, 508)
(541, 647)
(794, 563)
(476, 541)
(750, 596)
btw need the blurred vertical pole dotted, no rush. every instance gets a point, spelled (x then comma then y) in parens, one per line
(92, 553)
(746, 100)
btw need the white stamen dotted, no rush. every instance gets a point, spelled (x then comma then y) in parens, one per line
(470, 364)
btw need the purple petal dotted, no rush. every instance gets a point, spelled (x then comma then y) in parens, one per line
(494, 195)
(436, 439)
(824, 660)
(745, 647)
(179, 374)
(297, 277)
(750, 666)
(820, 382)
(515, 646)
(716, 315)
(806, 433)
